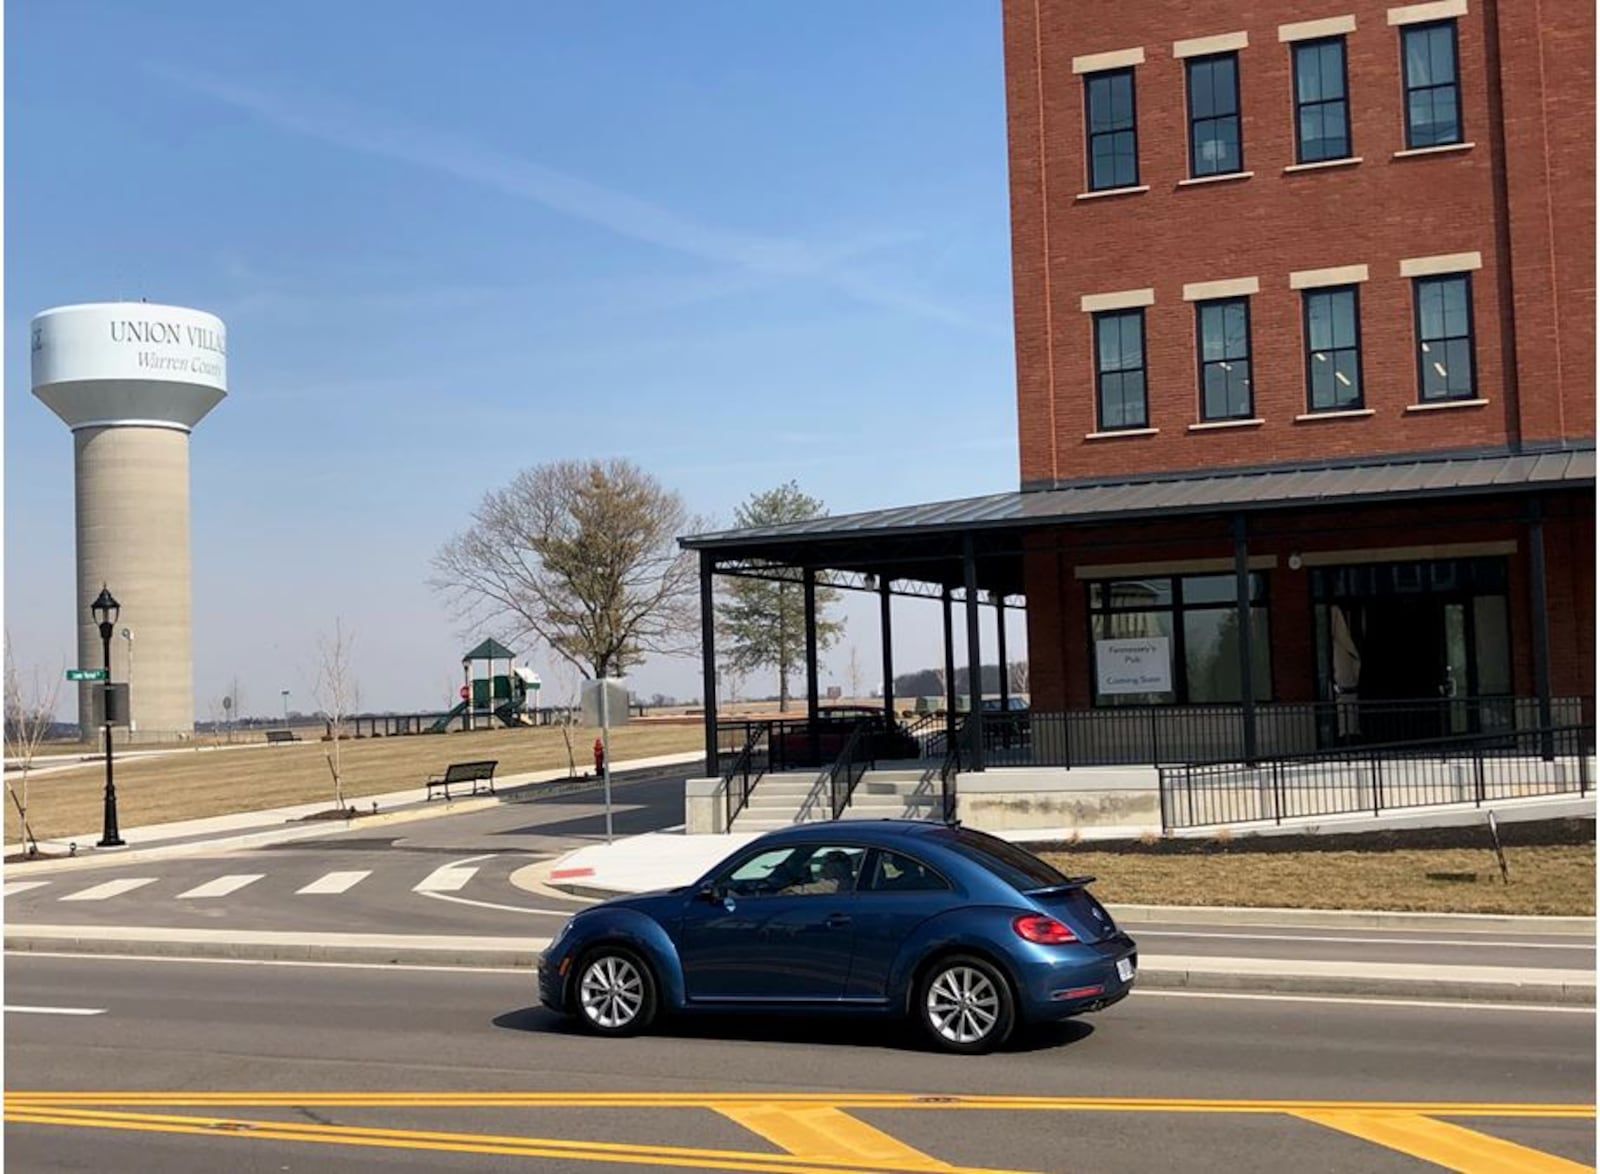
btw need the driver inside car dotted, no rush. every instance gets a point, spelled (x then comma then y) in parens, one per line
(835, 876)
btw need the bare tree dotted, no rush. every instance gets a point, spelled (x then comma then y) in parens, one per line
(582, 555)
(337, 693)
(1017, 676)
(566, 683)
(27, 721)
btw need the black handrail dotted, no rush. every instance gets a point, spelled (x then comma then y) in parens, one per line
(737, 794)
(847, 770)
(947, 780)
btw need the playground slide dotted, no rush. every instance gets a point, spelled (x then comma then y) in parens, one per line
(443, 723)
(508, 713)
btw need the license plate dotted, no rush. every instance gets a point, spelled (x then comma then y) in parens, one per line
(1125, 969)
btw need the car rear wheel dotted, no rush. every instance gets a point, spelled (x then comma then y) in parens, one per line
(616, 993)
(965, 1005)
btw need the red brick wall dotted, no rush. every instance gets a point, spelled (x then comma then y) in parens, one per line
(1374, 213)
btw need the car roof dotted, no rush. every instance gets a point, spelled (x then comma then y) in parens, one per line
(880, 830)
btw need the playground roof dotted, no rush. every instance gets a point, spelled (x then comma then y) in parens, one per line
(490, 650)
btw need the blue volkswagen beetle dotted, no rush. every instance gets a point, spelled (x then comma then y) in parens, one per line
(967, 933)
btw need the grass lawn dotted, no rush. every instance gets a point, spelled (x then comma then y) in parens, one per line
(1551, 866)
(205, 781)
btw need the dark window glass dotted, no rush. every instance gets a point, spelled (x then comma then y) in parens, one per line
(1018, 867)
(1119, 369)
(1197, 618)
(1333, 349)
(1321, 104)
(1444, 337)
(1433, 92)
(1113, 136)
(894, 873)
(1225, 359)
(1214, 143)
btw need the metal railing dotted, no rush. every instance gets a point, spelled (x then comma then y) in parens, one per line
(1162, 735)
(741, 778)
(1474, 768)
(848, 768)
(948, 771)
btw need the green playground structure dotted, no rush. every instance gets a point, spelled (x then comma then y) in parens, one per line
(505, 697)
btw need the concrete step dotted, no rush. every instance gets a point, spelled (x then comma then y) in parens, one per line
(760, 799)
(895, 787)
(901, 776)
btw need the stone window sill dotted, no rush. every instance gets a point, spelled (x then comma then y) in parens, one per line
(1120, 432)
(1212, 425)
(1342, 414)
(1445, 405)
(1130, 191)
(1444, 149)
(1204, 179)
(1323, 164)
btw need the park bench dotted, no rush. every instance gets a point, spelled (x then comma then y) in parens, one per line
(282, 736)
(464, 772)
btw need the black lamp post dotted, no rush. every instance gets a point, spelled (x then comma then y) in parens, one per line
(105, 610)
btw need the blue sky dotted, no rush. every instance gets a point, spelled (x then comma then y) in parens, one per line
(735, 243)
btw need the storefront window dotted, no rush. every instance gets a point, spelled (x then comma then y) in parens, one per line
(1175, 640)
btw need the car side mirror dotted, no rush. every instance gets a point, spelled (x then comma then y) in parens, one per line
(709, 893)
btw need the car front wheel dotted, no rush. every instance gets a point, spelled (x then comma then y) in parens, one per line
(965, 1005)
(616, 993)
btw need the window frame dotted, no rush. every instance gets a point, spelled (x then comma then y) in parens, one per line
(874, 867)
(1090, 133)
(1305, 326)
(1201, 362)
(1471, 337)
(1100, 374)
(1344, 98)
(1177, 607)
(1407, 89)
(1189, 66)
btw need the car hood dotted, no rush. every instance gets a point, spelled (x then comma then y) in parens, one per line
(653, 903)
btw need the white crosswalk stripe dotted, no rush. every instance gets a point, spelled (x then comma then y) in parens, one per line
(335, 882)
(111, 889)
(14, 887)
(223, 885)
(448, 879)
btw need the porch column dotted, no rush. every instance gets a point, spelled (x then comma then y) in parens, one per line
(708, 661)
(813, 734)
(1540, 603)
(1000, 640)
(885, 630)
(1247, 684)
(969, 566)
(949, 675)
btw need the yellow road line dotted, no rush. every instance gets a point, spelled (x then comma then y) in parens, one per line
(539, 1147)
(1451, 1146)
(837, 1100)
(821, 1131)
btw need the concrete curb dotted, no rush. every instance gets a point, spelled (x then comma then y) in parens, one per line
(1241, 975)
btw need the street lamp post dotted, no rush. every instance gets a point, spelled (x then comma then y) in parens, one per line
(285, 707)
(105, 610)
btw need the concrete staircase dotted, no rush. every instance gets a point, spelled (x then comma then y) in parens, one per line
(779, 801)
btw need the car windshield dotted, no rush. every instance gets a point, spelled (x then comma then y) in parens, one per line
(1018, 867)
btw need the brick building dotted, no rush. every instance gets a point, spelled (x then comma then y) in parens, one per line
(1292, 237)
(1305, 341)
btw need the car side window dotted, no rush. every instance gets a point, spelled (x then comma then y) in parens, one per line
(801, 870)
(760, 874)
(893, 872)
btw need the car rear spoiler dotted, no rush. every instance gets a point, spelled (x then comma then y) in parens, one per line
(1072, 882)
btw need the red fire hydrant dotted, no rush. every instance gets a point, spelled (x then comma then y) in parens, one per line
(599, 756)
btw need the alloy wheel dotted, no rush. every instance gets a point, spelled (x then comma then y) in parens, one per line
(612, 991)
(963, 1005)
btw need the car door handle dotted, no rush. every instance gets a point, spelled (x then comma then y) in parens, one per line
(838, 920)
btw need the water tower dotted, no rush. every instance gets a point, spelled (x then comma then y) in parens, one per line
(131, 379)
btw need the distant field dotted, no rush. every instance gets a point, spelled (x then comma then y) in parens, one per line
(205, 781)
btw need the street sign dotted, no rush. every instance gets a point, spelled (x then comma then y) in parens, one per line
(86, 674)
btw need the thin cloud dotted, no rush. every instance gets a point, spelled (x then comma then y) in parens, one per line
(342, 124)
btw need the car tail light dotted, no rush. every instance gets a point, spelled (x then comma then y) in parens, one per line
(1047, 931)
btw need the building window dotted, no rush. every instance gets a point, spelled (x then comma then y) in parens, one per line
(1333, 348)
(1113, 136)
(1214, 144)
(1433, 107)
(1224, 329)
(1120, 370)
(1321, 102)
(1444, 337)
(1182, 634)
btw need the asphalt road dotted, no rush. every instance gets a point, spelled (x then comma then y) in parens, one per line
(256, 1067)
(385, 865)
